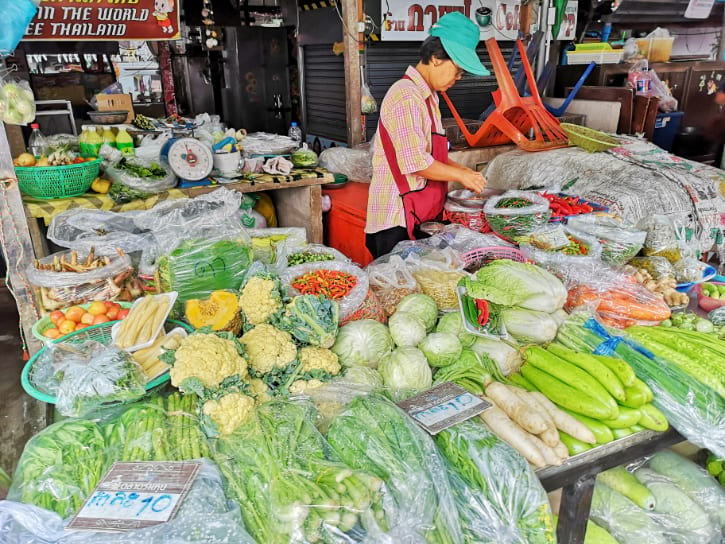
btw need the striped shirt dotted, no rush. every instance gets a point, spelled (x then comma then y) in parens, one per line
(405, 116)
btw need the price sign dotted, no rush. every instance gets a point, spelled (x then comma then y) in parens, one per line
(443, 406)
(136, 495)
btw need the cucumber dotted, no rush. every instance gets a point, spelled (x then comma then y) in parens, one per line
(625, 483)
(596, 369)
(627, 417)
(622, 370)
(637, 429)
(601, 432)
(572, 444)
(563, 395)
(518, 379)
(644, 388)
(635, 397)
(652, 418)
(570, 374)
(621, 433)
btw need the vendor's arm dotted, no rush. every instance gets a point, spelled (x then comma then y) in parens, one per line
(470, 179)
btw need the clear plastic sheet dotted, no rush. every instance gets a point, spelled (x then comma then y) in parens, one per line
(658, 267)
(17, 102)
(85, 377)
(556, 260)
(350, 303)
(391, 281)
(511, 222)
(498, 511)
(374, 435)
(273, 244)
(312, 250)
(619, 239)
(205, 517)
(155, 184)
(661, 238)
(356, 164)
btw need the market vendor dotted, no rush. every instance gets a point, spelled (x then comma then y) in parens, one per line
(411, 150)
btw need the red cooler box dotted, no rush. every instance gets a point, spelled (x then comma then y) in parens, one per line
(345, 222)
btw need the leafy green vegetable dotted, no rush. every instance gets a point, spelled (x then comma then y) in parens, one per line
(469, 371)
(363, 343)
(122, 194)
(529, 326)
(153, 171)
(405, 371)
(440, 348)
(422, 306)
(406, 329)
(489, 466)
(453, 322)
(311, 320)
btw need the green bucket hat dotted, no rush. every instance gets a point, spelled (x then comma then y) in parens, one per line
(459, 36)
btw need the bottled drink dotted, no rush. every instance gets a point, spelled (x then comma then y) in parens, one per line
(93, 142)
(124, 141)
(108, 137)
(83, 142)
(295, 132)
(37, 144)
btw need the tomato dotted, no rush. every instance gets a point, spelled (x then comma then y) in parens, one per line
(78, 160)
(74, 313)
(56, 316)
(123, 313)
(52, 333)
(112, 312)
(97, 308)
(100, 319)
(87, 318)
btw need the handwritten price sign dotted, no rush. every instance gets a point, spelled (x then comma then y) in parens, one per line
(136, 495)
(443, 406)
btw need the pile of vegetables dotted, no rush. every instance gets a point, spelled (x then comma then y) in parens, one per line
(333, 284)
(303, 257)
(152, 171)
(563, 206)
(515, 214)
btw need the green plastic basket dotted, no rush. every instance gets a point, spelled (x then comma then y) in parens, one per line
(100, 333)
(589, 139)
(44, 323)
(47, 182)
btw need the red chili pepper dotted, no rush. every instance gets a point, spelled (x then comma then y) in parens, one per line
(483, 311)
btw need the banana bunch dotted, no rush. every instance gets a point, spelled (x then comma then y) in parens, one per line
(143, 321)
(148, 358)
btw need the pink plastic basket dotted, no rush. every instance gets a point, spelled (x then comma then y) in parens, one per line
(480, 257)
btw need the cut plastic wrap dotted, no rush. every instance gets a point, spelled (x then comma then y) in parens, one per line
(313, 253)
(500, 511)
(374, 435)
(391, 281)
(560, 260)
(661, 238)
(83, 229)
(350, 302)
(205, 517)
(154, 184)
(62, 289)
(356, 164)
(680, 518)
(62, 464)
(511, 222)
(278, 469)
(620, 240)
(624, 520)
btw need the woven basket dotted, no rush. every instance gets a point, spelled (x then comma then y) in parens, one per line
(45, 323)
(478, 258)
(589, 139)
(48, 182)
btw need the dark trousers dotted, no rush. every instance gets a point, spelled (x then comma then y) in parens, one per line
(382, 242)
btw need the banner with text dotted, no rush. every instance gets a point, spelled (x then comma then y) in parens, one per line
(95, 20)
(406, 20)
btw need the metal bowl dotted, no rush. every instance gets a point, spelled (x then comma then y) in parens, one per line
(108, 117)
(469, 199)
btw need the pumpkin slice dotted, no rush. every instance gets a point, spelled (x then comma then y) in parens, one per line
(220, 312)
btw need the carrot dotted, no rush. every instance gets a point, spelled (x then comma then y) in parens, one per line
(621, 301)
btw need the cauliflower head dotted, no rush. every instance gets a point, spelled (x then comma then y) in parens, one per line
(230, 411)
(268, 348)
(259, 300)
(259, 391)
(300, 387)
(208, 358)
(315, 358)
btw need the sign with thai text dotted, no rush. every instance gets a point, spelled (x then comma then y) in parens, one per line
(407, 20)
(94, 20)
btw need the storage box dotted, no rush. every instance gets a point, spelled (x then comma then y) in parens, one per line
(345, 222)
(116, 102)
(666, 127)
(656, 49)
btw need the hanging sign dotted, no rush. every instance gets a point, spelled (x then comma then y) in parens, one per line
(82, 20)
(699, 9)
(406, 20)
(567, 27)
(136, 495)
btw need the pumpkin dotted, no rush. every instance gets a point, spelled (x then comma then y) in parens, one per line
(220, 311)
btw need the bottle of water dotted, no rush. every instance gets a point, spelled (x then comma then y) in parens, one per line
(295, 133)
(37, 144)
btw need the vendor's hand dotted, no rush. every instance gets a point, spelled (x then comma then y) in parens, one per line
(472, 180)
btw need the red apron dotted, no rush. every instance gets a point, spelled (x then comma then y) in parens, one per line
(426, 203)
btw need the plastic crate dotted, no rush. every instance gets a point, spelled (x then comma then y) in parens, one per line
(48, 182)
(596, 207)
(667, 125)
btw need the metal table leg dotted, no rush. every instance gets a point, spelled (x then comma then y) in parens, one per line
(576, 500)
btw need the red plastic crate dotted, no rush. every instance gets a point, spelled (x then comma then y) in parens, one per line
(344, 224)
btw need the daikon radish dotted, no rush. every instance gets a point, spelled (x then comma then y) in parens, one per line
(513, 435)
(561, 450)
(564, 422)
(550, 436)
(550, 456)
(515, 408)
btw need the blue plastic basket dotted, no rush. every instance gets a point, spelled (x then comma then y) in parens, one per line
(708, 274)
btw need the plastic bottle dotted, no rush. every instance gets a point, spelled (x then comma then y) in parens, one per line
(94, 142)
(108, 137)
(83, 142)
(37, 144)
(124, 141)
(295, 132)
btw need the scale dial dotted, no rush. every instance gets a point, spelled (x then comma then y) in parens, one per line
(190, 159)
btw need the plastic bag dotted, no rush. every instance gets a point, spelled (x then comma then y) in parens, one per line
(356, 164)
(371, 308)
(419, 503)
(581, 250)
(661, 238)
(620, 240)
(497, 511)
(391, 281)
(17, 102)
(204, 517)
(689, 270)
(350, 302)
(440, 285)
(464, 240)
(368, 104)
(14, 24)
(658, 267)
(312, 253)
(472, 218)
(271, 245)
(667, 102)
(516, 213)
(155, 183)
(62, 289)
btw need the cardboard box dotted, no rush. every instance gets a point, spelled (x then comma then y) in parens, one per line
(116, 102)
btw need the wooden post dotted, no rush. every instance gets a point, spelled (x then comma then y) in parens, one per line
(353, 114)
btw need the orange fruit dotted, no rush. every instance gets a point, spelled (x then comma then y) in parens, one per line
(87, 318)
(97, 308)
(56, 316)
(67, 326)
(52, 333)
(80, 326)
(74, 313)
(100, 319)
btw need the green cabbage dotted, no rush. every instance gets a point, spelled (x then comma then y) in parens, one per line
(441, 348)
(453, 322)
(304, 157)
(405, 371)
(529, 326)
(406, 328)
(362, 343)
(424, 307)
